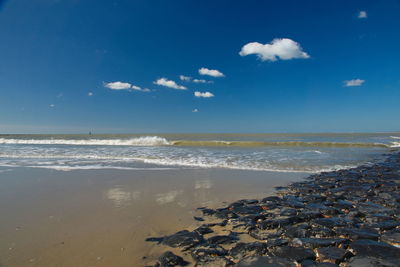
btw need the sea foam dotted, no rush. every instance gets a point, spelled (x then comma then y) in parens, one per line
(139, 141)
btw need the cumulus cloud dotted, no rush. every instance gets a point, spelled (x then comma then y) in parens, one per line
(203, 94)
(354, 82)
(195, 110)
(124, 86)
(90, 94)
(118, 85)
(213, 73)
(169, 83)
(185, 78)
(362, 15)
(283, 49)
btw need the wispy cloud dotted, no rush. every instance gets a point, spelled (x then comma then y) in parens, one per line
(52, 105)
(90, 94)
(201, 81)
(124, 86)
(138, 88)
(195, 110)
(190, 79)
(203, 94)
(213, 73)
(283, 49)
(185, 78)
(169, 83)
(362, 15)
(354, 82)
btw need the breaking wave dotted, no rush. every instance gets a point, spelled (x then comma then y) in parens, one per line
(139, 141)
(160, 141)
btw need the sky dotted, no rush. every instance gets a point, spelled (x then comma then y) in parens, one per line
(158, 66)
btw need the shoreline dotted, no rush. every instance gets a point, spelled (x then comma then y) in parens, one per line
(328, 219)
(101, 217)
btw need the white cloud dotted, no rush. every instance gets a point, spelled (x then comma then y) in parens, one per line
(201, 81)
(203, 94)
(138, 88)
(118, 85)
(354, 82)
(213, 73)
(362, 15)
(90, 94)
(52, 105)
(169, 83)
(185, 78)
(195, 110)
(283, 49)
(124, 86)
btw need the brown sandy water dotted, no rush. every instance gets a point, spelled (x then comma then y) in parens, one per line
(101, 217)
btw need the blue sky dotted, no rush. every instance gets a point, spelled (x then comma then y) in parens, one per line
(60, 61)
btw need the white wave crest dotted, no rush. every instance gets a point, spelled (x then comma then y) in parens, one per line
(395, 137)
(139, 141)
(395, 144)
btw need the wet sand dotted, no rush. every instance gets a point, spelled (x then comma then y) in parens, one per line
(101, 217)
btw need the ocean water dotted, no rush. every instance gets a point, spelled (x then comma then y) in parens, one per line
(262, 152)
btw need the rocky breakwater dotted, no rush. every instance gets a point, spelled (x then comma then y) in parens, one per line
(342, 218)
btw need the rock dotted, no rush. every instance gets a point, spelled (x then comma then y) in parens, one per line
(317, 242)
(223, 239)
(183, 239)
(198, 219)
(358, 233)
(273, 199)
(264, 235)
(216, 262)
(364, 261)
(207, 212)
(386, 225)
(331, 222)
(242, 250)
(321, 232)
(154, 239)
(331, 254)
(203, 230)
(225, 213)
(266, 261)
(253, 209)
(169, 259)
(288, 212)
(293, 253)
(208, 253)
(294, 231)
(322, 209)
(278, 222)
(277, 242)
(243, 202)
(370, 248)
(392, 237)
(343, 204)
(308, 215)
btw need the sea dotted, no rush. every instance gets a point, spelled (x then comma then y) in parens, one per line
(311, 153)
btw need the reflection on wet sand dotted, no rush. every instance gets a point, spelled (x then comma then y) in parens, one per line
(167, 197)
(122, 198)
